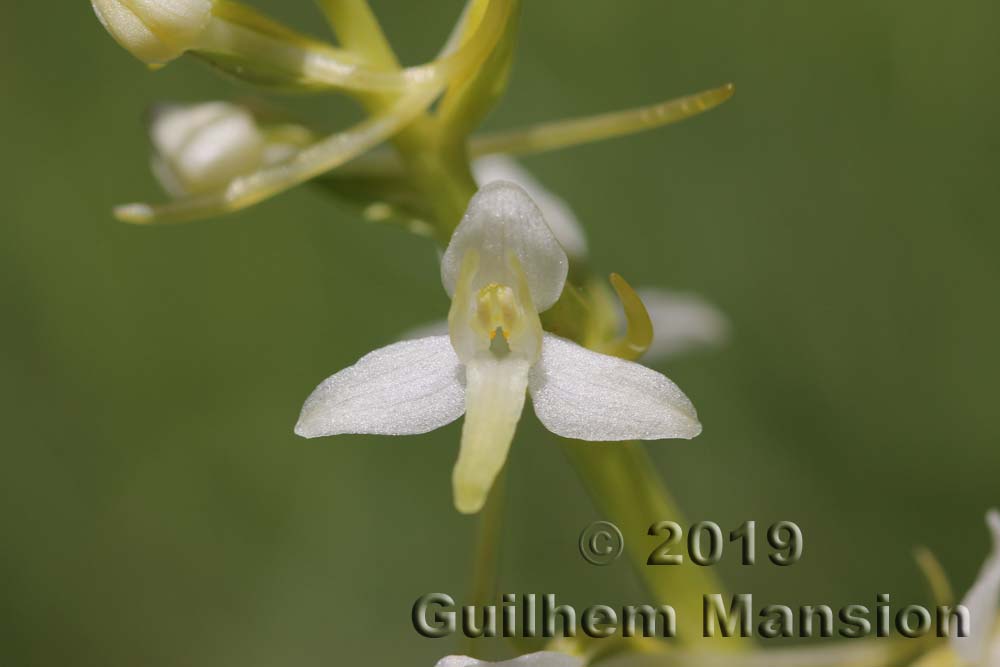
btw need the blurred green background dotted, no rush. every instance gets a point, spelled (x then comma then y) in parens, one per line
(156, 508)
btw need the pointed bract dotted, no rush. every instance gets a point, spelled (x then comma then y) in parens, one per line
(576, 131)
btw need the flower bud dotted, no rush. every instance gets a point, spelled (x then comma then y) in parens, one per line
(155, 31)
(202, 148)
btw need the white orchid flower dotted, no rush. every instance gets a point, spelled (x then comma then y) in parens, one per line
(982, 601)
(502, 267)
(201, 148)
(681, 321)
(540, 659)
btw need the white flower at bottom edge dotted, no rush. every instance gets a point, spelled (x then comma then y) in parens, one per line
(502, 267)
(541, 659)
(982, 601)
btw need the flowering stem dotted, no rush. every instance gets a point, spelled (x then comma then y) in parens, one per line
(623, 483)
(435, 153)
(486, 553)
(442, 176)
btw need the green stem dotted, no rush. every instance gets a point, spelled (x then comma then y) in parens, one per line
(486, 563)
(440, 172)
(623, 483)
(358, 30)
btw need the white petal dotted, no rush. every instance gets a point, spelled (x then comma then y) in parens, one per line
(981, 601)
(578, 393)
(681, 322)
(558, 215)
(495, 391)
(541, 659)
(409, 387)
(459, 661)
(502, 217)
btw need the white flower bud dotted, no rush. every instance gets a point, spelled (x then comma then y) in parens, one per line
(155, 31)
(202, 148)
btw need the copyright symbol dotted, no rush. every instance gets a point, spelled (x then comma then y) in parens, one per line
(601, 543)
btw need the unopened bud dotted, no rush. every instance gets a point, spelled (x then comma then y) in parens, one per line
(202, 148)
(155, 31)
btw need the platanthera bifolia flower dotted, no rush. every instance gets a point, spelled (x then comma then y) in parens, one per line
(201, 148)
(541, 659)
(155, 31)
(982, 601)
(502, 267)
